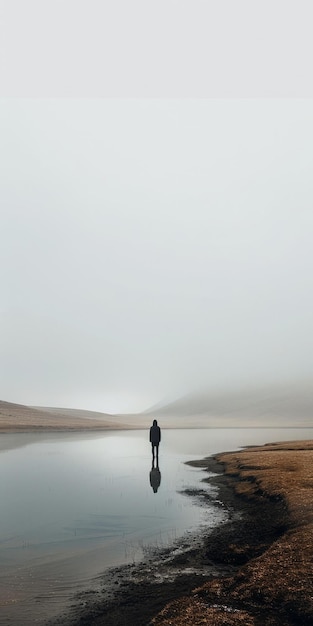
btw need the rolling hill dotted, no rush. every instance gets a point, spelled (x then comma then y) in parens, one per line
(286, 406)
(267, 406)
(21, 418)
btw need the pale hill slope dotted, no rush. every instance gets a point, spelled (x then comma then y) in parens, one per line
(21, 418)
(271, 406)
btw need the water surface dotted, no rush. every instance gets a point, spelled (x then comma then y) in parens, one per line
(75, 504)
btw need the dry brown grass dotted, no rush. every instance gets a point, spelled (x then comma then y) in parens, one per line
(197, 613)
(278, 583)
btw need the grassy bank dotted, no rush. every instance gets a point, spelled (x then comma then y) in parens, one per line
(274, 587)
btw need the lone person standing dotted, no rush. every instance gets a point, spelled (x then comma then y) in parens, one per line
(155, 438)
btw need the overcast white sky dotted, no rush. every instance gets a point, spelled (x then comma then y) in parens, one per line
(149, 245)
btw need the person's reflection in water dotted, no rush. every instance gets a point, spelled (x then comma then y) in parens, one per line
(155, 438)
(155, 476)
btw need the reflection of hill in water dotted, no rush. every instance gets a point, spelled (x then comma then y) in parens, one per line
(281, 405)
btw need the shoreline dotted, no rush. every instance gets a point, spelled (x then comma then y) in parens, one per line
(246, 571)
(274, 587)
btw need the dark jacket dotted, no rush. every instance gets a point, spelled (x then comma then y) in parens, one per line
(155, 433)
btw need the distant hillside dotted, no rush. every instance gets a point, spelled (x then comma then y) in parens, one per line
(21, 418)
(281, 405)
(271, 406)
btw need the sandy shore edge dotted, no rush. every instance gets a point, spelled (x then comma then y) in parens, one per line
(256, 569)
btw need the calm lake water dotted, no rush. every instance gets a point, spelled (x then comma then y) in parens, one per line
(75, 504)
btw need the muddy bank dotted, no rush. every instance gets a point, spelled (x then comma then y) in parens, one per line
(135, 594)
(274, 587)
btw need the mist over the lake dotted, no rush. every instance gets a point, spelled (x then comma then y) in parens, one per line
(153, 247)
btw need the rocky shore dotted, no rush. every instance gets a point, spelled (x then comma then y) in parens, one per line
(255, 569)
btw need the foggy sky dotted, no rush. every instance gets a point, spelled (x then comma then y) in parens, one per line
(149, 247)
